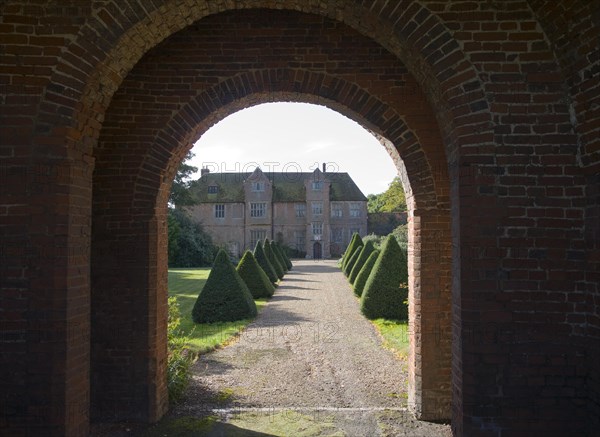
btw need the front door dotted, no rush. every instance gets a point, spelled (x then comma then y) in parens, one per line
(317, 253)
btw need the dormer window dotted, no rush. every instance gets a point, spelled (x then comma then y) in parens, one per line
(317, 185)
(213, 189)
(258, 186)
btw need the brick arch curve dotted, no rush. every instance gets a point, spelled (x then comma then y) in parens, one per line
(433, 59)
(402, 142)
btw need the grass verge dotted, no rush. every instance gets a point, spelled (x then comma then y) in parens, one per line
(185, 285)
(395, 335)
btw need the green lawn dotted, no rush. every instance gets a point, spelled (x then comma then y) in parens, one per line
(186, 284)
(395, 335)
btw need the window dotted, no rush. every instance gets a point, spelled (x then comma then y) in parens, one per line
(336, 210)
(256, 235)
(258, 186)
(300, 237)
(355, 210)
(258, 209)
(317, 208)
(317, 185)
(300, 209)
(219, 211)
(317, 228)
(337, 235)
(213, 189)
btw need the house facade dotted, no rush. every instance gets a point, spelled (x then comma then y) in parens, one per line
(314, 213)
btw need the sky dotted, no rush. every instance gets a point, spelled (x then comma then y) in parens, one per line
(295, 137)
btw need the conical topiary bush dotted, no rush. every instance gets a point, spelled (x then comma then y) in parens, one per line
(225, 296)
(254, 276)
(354, 242)
(271, 257)
(285, 256)
(277, 255)
(363, 275)
(264, 263)
(352, 260)
(383, 296)
(368, 248)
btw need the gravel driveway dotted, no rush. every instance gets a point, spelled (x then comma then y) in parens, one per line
(312, 355)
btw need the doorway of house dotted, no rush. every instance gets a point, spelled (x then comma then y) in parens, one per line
(317, 251)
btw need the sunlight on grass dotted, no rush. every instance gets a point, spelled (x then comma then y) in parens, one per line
(186, 284)
(395, 335)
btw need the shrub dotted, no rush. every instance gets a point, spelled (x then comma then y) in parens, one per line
(254, 276)
(225, 297)
(360, 261)
(264, 262)
(285, 256)
(179, 358)
(188, 244)
(363, 275)
(352, 260)
(354, 242)
(401, 234)
(271, 257)
(385, 292)
(377, 240)
(278, 256)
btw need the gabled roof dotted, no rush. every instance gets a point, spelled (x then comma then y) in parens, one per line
(287, 187)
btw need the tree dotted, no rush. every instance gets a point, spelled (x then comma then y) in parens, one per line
(391, 200)
(360, 261)
(386, 291)
(284, 256)
(189, 244)
(254, 276)
(279, 257)
(273, 259)
(180, 194)
(354, 242)
(225, 296)
(264, 263)
(365, 271)
(352, 260)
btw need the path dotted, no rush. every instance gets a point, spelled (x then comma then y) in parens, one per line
(310, 360)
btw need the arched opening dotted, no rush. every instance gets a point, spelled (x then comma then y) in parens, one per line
(168, 100)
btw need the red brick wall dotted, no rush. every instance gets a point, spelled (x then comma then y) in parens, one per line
(514, 85)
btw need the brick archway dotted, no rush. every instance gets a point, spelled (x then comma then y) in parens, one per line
(164, 112)
(514, 88)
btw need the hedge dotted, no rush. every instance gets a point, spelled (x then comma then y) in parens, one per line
(363, 275)
(368, 248)
(385, 292)
(272, 259)
(352, 260)
(264, 262)
(225, 296)
(254, 276)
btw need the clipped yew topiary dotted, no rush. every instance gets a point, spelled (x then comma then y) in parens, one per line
(284, 256)
(385, 291)
(225, 296)
(254, 276)
(363, 275)
(277, 255)
(264, 263)
(366, 251)
(352, 260)
(354, 242)
(271, 257)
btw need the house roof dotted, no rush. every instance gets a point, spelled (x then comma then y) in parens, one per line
(287, 187)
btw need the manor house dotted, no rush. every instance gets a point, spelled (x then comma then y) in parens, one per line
(314, 213)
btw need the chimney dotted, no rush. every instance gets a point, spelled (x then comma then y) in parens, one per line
(204, 171)
(324, 167)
